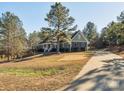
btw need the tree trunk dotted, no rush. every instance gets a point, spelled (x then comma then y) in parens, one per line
(58, 46)
(7, 57)
(70, 47)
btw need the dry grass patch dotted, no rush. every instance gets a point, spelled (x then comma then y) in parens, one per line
(43, 73)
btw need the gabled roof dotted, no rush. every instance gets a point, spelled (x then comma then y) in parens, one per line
(79, 32)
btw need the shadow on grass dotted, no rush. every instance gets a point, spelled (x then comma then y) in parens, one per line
(32, 57)
(21, 59)
(107, 78)
(24, 59)
(3, 62)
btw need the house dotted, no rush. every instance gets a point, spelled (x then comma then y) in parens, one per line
(78, 43)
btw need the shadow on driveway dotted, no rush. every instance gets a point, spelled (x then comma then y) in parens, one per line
(107, 78)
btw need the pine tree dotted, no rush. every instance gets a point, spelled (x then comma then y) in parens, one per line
(60, 21)
(12, 35)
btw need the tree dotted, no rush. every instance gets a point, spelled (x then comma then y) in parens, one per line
(33, 40)
(12, 35)
(45, 33)
(91, 33)
(120, 18)
(113, 34)
(60, 21)
(116, 33)
(104, 37)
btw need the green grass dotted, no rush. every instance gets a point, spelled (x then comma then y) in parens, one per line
(31, 72)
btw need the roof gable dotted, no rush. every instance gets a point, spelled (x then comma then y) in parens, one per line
(79, 37)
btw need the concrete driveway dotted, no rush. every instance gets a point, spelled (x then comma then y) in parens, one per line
(103, 72)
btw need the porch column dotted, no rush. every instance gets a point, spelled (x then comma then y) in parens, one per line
(70, 47)
(86, 46)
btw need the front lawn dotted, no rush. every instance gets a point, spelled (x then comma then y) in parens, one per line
(42, 73)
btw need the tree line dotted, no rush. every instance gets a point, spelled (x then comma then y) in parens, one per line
(14, 42)
(113, 33)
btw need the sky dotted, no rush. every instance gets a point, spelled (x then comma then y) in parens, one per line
(32, 14)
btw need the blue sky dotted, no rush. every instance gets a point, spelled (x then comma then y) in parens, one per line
(33, 14)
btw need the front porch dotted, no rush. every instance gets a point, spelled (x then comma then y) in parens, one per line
(64, 47)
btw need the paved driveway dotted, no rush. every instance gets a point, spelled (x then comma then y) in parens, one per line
(104, 71)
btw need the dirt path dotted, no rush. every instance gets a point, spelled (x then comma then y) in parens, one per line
(104, 71)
